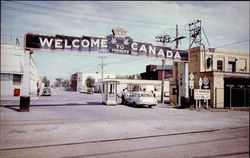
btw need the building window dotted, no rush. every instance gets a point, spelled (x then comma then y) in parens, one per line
(231, 66)
(111, 89)
(219, 65)
(209, 62)
(17, 79)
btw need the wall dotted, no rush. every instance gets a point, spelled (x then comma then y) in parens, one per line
(33, 77)
(14, 60)
(198, 66)
(11, 63)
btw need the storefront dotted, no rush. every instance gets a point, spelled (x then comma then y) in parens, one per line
(227, 73)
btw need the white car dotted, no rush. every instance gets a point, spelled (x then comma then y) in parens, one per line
(141, 99)
(46, 92)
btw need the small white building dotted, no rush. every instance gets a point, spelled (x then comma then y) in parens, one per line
(18, 72)
(140, 85)
(78, 80)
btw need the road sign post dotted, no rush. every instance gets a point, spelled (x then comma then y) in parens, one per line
(202, 94)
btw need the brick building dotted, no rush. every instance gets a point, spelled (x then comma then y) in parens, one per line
(154, 72)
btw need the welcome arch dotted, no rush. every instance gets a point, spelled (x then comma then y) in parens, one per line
(116, 43)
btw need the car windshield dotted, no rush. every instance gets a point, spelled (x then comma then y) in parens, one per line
(46, 89)
(147, 95)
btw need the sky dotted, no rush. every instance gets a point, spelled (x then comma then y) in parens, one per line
(226, 25)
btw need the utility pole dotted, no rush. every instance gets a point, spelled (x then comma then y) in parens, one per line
(177, 38)
(164, 39)
(11, 29)
(162, 81)
(102, 64)
(177, 41)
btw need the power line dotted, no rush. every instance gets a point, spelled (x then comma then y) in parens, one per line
(88, 15)
(104, 21)
(232, 43)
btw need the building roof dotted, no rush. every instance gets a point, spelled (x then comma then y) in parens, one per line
(166, 67)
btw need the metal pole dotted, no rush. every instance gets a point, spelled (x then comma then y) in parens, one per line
(102, 65)
(215, 97)
(102, 90)
(102, 70)
(230, 105)
(177, 41)
(162, 81)
(11, 29)
(245, 97)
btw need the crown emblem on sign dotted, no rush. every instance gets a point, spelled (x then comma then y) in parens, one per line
(119, 31)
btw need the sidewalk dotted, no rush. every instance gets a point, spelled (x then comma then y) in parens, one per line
(14, 100)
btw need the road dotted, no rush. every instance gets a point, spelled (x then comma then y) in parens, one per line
(70, 124)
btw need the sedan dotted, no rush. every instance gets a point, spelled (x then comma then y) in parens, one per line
(46, 92)
(141, 99)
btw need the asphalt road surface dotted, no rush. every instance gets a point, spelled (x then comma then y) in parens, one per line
(70, 124)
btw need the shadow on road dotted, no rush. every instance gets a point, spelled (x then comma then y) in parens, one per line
(13, 107)
(131, 106)
(16, 107)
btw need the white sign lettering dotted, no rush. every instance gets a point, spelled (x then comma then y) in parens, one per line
(58, 43)
(74, 43)
(45, 42)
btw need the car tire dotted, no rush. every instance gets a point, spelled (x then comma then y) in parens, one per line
(134, 104)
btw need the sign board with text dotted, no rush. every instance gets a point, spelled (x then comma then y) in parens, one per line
(201, 94)
(110, 44)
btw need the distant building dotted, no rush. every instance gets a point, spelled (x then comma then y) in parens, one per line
(154, 72)
(19, 74)
(77, 81)
(227, 71)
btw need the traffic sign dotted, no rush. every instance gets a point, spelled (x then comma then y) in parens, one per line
(200, 82)
(191, 84)
(201, 94)
(191, 76)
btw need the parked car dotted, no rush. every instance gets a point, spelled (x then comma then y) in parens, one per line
(46, 92)
(141, 99)
(90, 91)
(67, 89)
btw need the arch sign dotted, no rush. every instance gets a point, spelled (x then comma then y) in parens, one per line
(115, 43)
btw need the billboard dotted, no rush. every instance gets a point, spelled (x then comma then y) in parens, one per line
(110, 44)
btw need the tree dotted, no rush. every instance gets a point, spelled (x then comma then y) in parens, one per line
(65, 83)
(45, 81)
(90, 82)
